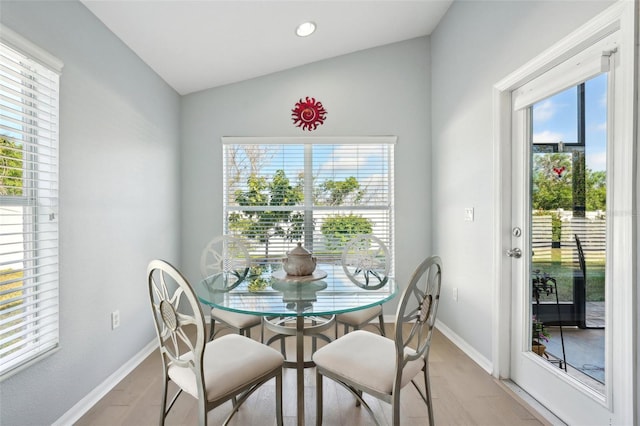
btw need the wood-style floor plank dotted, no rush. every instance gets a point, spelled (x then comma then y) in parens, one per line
(463, 394)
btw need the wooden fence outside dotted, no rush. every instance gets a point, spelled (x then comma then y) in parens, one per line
(541, 235)
(591, 232)
(592, 235)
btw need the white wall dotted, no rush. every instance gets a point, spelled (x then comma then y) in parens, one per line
(381, 91)
(119, 204)
(476, 45)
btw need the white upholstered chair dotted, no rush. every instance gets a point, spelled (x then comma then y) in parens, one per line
(366, 261)
(229, 256)
(229, 368)
(380, 366)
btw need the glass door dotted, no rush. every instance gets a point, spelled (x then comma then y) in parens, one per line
(559, 219)
(567, 210)
(568, 181)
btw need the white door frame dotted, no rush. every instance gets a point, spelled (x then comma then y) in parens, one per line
(622, 394)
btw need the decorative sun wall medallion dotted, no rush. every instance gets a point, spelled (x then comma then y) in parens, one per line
(308, 114)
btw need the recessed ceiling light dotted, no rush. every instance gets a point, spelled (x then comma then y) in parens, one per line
(305, 29)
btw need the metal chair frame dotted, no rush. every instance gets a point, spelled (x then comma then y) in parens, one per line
(367, 263)
(229, 256)
(418, 307)
(177, 314)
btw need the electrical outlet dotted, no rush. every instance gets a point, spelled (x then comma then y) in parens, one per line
(455, 294)
(115, 319)
(468, 214)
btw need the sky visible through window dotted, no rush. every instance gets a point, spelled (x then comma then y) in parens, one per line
(367, 162)
(555, 120)
(331, 189)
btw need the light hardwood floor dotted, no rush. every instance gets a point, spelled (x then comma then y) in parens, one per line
(463, 394)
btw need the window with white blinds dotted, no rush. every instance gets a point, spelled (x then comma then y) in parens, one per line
(320, 191)
(28, 203)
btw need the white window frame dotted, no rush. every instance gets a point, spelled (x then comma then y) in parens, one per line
(385, 231)
(29, 120)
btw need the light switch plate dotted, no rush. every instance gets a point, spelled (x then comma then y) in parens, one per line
(468, 214)
(115, 319)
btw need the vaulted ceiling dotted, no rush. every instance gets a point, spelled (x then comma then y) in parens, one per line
(196, 45)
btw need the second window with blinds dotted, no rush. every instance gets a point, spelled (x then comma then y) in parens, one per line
(319, 191)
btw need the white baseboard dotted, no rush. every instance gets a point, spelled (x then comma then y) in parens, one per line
(471, 352)
(541, 412)
(85, 404)
(475, 356)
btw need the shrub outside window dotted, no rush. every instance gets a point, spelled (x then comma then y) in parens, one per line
(320, 191)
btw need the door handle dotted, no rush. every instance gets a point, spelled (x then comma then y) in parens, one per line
(515, 252)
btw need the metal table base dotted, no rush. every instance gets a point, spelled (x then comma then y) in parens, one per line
(281, 326)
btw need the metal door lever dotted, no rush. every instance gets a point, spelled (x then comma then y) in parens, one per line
(516, 252)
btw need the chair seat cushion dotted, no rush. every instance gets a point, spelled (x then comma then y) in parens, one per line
(230, 362)
(359, 317)
(366, 359)
(235, 319)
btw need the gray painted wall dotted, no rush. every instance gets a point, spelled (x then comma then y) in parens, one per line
(141, 167)
(119, 185)
(381, 91)
(476, 45)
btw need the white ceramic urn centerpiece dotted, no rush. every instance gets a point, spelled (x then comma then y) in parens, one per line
(299, 262)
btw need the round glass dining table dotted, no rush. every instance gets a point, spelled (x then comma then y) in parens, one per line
(279, 298)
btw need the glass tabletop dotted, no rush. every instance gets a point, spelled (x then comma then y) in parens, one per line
(268, 291)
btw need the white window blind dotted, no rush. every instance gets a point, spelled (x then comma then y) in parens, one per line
(320, 191)
(28, 204)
